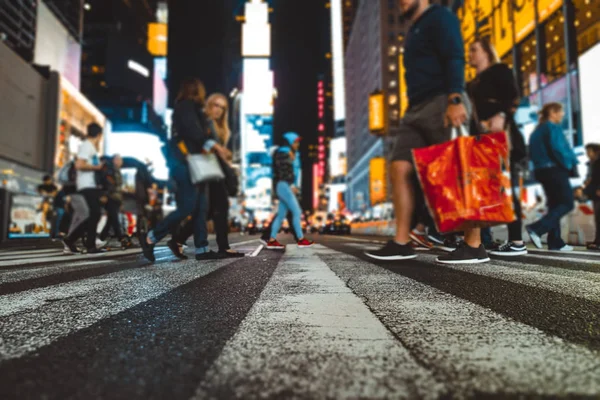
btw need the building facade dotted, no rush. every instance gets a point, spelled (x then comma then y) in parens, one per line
(553, 48)
(371, 64)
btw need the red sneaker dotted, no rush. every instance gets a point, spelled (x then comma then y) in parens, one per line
(305, 243)
(274, 245)
(421, 239)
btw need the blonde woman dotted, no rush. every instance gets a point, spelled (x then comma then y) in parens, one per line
(217, 109)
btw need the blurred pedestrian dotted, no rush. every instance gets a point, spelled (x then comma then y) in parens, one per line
(495, 95)
(190, 135)
(554, 163)
(284, 181)
(87, 164)
(217, 109)
(113, 184)
(591, 189)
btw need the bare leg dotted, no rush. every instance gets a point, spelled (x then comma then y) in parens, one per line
(473, 237)
(404, 199)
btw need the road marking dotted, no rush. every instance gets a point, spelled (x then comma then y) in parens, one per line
(32, 273)
(243, 243)
(257, 251)
(309, 336)
(37, 317)
(474, 349)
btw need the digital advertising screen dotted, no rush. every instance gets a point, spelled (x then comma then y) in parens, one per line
(29, 217)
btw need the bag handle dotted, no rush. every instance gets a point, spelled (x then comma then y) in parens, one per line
(458, 132)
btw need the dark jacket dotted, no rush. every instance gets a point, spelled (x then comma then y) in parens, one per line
(283, 167)
(594, 183)
(191, 127)
(434, 56)
(549, 148)
(495, 91)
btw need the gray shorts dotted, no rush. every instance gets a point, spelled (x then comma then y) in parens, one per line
(422, 126)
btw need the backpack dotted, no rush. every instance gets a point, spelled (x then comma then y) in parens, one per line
(67, 174)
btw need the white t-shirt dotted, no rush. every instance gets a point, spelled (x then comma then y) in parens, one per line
(88, 153)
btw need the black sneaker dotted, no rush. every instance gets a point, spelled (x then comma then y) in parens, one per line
(509, 250)
(231, 254)
(147, 249)
(393, 251)
(209, 255)
(176, 250)
(450, 245)
(70, 248)
(465, 254)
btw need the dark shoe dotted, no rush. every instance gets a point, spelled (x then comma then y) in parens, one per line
(465, 254)
(147, 249)
(209, 255)
(95, 251)
(70, 248)
(450, 245)
(509, 250)
(393, 251)
(126, 244)
(176, 250)
(231, 254)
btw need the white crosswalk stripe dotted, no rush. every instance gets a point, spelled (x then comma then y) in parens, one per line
(37, 317)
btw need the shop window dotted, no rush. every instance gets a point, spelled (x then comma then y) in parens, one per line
(556, 56)
(528, 60)
(587, 24)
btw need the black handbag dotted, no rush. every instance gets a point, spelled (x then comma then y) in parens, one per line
(231, 179)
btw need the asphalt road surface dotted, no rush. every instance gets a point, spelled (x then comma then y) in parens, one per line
(318, 323)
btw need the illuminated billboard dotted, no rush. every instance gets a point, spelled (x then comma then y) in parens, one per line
(256, 31)
(377, 114)
(337, 47)
(258, 86)
(590, 87)
(157, 39)
(377, 180)
(337, 157)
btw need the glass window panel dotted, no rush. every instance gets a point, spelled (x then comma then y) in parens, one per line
(587, 24)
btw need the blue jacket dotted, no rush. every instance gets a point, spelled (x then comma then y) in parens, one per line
(434, 56)
(548, 147)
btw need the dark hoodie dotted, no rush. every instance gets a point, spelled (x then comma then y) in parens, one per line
(283, 164)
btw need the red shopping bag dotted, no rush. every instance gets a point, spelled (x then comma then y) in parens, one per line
(467, 181)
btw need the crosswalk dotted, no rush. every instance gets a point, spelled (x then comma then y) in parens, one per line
(324, 322)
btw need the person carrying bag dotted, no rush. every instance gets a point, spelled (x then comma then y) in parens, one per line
(190, 138)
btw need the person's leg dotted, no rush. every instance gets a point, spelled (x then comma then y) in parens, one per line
(186, 200)
(92, 197)
(287, 196)
(60, 212)
(113, 207)
(597, 218)
(486, 237)
(290, 220)
(560, 201)
(515, 228)
(199, 220)
(403, 197)
(220, 203)
(282, 211)
(183, 231)
(473, 237)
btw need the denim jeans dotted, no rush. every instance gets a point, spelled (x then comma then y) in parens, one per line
(560, 201)
(287, 202)
(60, 213)
(191, 200)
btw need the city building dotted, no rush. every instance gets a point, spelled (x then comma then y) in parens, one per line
(256, 109)
(552, 46)
(372, 64)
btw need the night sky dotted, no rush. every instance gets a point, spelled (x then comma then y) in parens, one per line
(204, 40)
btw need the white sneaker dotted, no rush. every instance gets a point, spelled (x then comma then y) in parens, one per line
(566, 248)
(100, 243)
(535, 238)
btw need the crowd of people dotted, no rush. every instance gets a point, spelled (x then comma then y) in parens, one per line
(439, 101)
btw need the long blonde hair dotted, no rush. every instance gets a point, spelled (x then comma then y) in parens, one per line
(221, 124)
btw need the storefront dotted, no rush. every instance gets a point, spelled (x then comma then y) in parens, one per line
(75, 113)
(544, 41)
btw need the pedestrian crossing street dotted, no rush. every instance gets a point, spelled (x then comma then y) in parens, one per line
(324, 322)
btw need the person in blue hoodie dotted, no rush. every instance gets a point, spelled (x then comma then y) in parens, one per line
(554, 163)
(286, 189)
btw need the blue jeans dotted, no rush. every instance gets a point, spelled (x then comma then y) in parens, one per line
(287, 202)
(560, 202)
(60, 213)
(191, 200)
